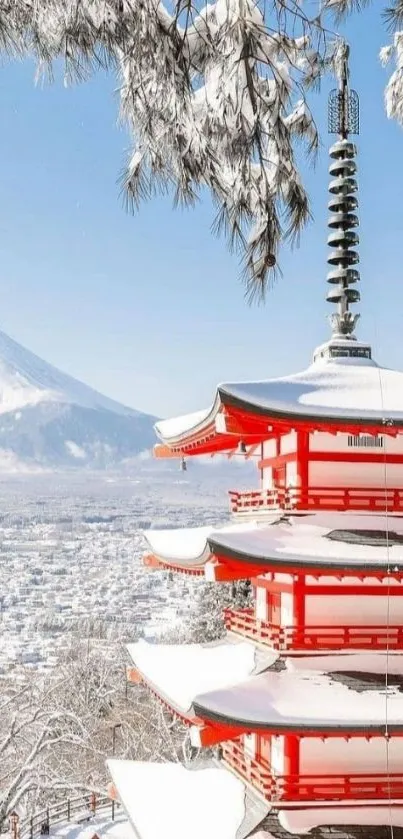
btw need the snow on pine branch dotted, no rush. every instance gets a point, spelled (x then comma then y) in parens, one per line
(393, 17)
(213, 103)
(394, 88)
(215, 98)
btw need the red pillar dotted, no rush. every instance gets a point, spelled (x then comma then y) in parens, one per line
(303, 463)
(291, 767)
(299, 600)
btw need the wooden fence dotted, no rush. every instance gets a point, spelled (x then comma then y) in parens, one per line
(80, 809)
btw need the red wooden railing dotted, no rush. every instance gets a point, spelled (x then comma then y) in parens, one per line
(244, 622)
(316, 498)
(326, 787)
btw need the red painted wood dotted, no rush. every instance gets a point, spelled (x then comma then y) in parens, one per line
(274, 586)
(320, 787)
(318, 498)
(291, 755)
(264, 749)
(277, 461)
(356, 457)
(311, 637)
(299, 601)
(358, 590)
(302, 461)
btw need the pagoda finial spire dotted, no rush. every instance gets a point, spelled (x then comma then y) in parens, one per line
(344, 121)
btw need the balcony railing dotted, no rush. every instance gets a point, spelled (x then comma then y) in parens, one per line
(260, 502)
(326, 787)
(243, 622)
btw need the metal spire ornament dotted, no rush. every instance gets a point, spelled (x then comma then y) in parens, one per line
(343, 204)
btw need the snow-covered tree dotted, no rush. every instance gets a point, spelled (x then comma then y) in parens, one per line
(205, 621)
(56, 731)
(215, 97)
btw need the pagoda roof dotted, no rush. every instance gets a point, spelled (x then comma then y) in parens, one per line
(168, 799)
(337, 393)
(303, 702)
(189, 547)
(240, 692)
(330, 541)
(346, 661)
(178, 673)
(304, 819)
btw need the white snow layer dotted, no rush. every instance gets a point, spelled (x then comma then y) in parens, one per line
(304, 820)
(180, 425)
(189, 546)
(378, 662)
(27, 380)
(167, 800)
(298, 700)
(300, 541)
(303, 542)
(356, 388)
(100, 825)
(179, 672)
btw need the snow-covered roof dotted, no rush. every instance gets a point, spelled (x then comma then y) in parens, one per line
(180, 672)
(318, 540)
(330, 540)
(226, 681)
(333, 389)
(188, 546)
(180, 425)
(286, 701)
(379, 662)
(305, 819)
(169, 800)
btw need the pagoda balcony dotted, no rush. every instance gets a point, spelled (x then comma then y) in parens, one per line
(312, 638)
(267, 501)
(298, 788)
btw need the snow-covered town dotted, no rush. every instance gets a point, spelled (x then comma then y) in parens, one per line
(70, 550)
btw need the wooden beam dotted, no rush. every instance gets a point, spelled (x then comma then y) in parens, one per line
(220, 572)
(152, 561)
(133, 676)
(112, 792)
(206, 735)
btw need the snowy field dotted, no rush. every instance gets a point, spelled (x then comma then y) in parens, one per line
(70, 551)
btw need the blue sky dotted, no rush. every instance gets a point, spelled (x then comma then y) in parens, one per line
(150, 309)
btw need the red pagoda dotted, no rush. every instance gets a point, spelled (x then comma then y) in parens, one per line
(301, 702)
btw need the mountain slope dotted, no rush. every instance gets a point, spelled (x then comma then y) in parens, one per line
(50, 418)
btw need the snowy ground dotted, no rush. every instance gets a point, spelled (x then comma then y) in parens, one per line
(70, 549)
(101, 825)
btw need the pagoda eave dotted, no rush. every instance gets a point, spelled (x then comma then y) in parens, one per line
(247, 415)
(215, 569)
(251, 425)
(244, 726)
(156, 564)
(248, 566)
(214, 443)
(168, 799)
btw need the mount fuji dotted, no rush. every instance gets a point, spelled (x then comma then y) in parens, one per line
(49, 419)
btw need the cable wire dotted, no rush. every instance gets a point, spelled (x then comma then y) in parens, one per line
(386, 423)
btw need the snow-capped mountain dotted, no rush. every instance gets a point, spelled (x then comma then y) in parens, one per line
(49, 418)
